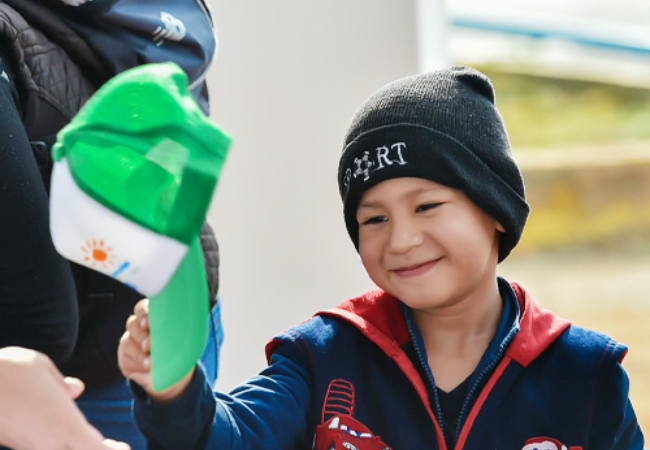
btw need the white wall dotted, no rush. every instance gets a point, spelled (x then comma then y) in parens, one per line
(287, 78)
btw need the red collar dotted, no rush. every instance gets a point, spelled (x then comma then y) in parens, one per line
(379, 316)
(539, 328)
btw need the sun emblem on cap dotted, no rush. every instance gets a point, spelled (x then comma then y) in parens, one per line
(98, 253)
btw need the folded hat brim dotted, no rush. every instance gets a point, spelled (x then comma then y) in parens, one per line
(178, 319)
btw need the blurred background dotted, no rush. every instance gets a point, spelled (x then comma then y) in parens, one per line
(572, 81)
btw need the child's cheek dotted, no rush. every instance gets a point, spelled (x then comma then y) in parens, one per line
(371, 258)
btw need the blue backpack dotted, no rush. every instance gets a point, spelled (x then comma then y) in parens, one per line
(121, 34)
(128, 33)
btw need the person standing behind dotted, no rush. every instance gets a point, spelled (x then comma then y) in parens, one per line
(61, 52)
(38, 303)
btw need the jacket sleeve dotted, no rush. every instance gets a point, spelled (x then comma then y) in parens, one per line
(614, 424)
(268, 411)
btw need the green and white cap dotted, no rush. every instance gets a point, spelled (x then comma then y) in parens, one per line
(133, 178)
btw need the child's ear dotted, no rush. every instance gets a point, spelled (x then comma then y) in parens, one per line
(500, 228)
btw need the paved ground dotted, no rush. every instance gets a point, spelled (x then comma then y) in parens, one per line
(605, 290)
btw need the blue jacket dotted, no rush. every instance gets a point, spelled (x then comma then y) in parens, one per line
(353, 377)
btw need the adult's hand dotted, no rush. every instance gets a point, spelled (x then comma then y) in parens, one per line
(37, 409)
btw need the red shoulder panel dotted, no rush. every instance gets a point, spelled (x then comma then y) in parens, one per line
(539, 328)
(379, 309)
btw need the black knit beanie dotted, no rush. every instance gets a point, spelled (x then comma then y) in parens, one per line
(442, 126)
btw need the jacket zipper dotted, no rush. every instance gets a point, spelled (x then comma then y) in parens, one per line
(427, 369)
(502, 348)
(493, 363)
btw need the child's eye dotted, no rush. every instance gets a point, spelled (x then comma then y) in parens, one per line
(427, 206)
(374, 220)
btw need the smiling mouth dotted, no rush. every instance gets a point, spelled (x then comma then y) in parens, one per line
(416, 269)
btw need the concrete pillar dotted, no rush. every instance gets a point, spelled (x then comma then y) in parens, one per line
(433, 31)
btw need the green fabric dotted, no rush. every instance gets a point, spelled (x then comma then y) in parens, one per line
(178, 319)
(142, 147)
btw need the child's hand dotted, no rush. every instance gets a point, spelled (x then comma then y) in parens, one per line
(134, 356)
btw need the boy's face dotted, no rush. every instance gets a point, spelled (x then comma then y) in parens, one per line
(427, 244)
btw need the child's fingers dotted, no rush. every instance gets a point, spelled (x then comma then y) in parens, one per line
(141, 378)
(134, 370)
(133, 366)
(131, 357)
(144, 380)
(137, 333)
(134, 363)
(141, 312)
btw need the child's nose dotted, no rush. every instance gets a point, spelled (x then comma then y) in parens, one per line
(404, 236)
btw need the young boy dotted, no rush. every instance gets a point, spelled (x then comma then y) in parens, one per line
(445, 354)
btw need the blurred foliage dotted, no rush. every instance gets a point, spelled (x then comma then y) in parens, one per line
(549, 112)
